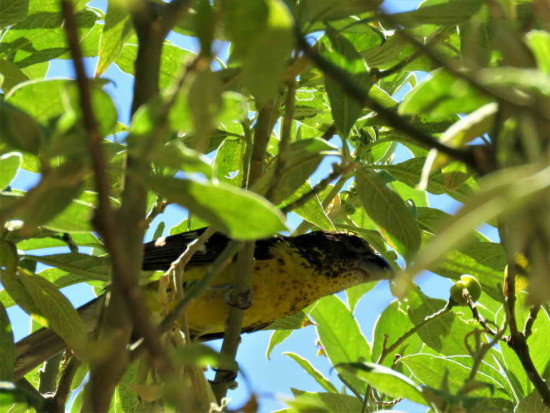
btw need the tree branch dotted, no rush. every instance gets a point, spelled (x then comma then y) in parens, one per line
(361, 96)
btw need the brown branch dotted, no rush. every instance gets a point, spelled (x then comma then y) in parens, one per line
(48, 374)
(518, 342)
(64, 388)
(360, 95)
(533, 312)
(286, 138)
(476, 314)
(438, 59)
(223, 260)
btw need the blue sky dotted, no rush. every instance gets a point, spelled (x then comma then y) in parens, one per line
(269, 378)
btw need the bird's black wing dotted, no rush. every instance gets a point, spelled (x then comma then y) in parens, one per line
(159, 254)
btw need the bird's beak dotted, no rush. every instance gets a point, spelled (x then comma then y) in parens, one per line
(376, 267)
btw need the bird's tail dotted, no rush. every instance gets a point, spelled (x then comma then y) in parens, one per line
(43, 344)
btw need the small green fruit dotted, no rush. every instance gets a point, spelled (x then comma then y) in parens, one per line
(471, 284)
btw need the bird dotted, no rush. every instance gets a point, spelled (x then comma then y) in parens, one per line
(289, 273)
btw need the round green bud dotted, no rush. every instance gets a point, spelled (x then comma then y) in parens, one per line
(466, 282)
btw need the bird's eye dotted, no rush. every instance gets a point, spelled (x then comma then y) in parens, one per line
(356, 244)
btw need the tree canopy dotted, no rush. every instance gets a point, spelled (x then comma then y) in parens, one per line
(296, 115)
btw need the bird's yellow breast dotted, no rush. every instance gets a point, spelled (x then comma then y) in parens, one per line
(280, 286)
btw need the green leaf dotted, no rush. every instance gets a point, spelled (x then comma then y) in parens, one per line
(471, 126)
(83, 265)
(56, 310)
(10, 281)
(386, 381)
(240, 214)
(304, 156)
(441, 95)
(12, 75)
(291, 322)
(430, 370)
(262, 36)
(527, 79)
(276, 338)
(9, 165)
(501, 192)
(409, 172)
(117, 29)
(228, 162)
(312, 211)
(13, 11)
(326, 10)
(393, 322)
(539, 43)
(40, 36)
(450, 13)
(345, 109)
(178, 157)
(324, 402)
(7, 346)
(313, 372)
(355, 293)
(18, 129)
(205, 104)
(532, 403)
(12, 394)
(390, 214)
(171, 62)
(340, 335)
(49, 198)
(441, 333)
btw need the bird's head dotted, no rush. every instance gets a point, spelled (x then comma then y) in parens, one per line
(343, 254)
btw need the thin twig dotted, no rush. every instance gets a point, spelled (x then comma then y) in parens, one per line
(337, 171)
(533, 312)
(478, 358)
(476, 314)
(286, 138)
(223, 260)
(361, 96)
(157, 209)
(48, 374)
(65, 382)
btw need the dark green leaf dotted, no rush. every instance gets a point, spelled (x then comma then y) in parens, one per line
(291, 322)
(12, 75)
(56, 311)
(13, 11)
(345, 109)
(241, 214)
(18, 129)
(389, 212)
(83, 265)
(11, 394)
(441, 333)
(262, 36)
(7, 346)
(54, 194)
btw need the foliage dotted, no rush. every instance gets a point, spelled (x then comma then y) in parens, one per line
(236, 141)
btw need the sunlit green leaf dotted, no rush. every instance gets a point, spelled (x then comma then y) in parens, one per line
(9, 165)
(313, 372)
(389, 212)
(240, 214)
